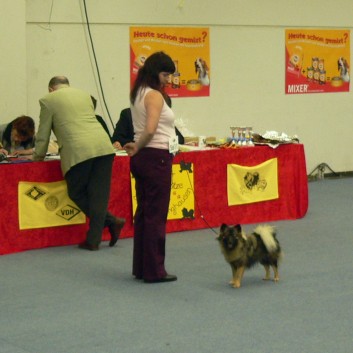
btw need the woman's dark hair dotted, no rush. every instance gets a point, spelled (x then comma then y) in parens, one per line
(24, 126)
(148, 74)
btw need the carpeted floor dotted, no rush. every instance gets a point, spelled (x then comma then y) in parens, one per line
(67, 300)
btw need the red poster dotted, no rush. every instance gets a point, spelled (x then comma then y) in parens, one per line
(317, 61)
(188, 47)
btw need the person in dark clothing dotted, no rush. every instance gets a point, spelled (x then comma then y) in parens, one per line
(99, 118)
(124, 130)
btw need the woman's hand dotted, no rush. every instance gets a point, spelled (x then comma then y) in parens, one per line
(3, 151)
(117, 145)
(131, 148)
(23, 152)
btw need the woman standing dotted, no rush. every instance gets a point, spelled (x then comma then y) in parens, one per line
(151, 165)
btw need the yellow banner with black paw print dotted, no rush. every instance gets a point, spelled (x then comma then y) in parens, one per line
(42, 205)
(182, 200)
(252, 184)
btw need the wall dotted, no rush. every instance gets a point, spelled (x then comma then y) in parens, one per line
(13, 86)
(247, 64)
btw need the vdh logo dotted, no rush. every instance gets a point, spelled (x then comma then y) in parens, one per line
(68, 212)
(35, 193)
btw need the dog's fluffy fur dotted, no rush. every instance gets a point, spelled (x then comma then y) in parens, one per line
(343, 68)
(243, 251)
(201, 69)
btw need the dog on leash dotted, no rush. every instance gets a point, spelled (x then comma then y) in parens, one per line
(243, 251)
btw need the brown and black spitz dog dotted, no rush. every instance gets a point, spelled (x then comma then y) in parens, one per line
(243, 251)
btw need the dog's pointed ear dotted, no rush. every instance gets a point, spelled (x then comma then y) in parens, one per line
(238, 228)
(223, 227)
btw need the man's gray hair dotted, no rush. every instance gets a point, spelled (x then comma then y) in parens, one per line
(58, 80)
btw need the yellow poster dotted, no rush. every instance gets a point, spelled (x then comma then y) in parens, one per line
(43, 205)
(252, 184)
(317, 61)
(188, 47)
(182, 201)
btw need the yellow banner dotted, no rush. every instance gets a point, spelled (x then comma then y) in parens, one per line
(252, 184)
(43, 205)
(182, 201)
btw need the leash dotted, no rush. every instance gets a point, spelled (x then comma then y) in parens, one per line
(197, 205)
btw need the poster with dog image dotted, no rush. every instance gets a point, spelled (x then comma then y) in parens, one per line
(189, 47)
(317, 61)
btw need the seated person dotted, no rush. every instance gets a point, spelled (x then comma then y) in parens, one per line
(17, 137)
(99, 118)
(177, 132)
(124, 130)
(180, 136)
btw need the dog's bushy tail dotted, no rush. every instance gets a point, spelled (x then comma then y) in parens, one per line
(268, 236)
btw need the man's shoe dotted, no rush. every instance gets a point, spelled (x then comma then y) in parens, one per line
(167, 278)
(115, 229)
(86, 246)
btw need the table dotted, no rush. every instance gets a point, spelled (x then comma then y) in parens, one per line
(210, 190)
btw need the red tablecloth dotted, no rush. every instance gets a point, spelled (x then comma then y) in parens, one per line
(210, 188)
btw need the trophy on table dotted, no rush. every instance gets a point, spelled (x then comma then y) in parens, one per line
(249, 134)
(233, 140)
(241, 136)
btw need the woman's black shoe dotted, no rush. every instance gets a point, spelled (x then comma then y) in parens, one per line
(167, 278)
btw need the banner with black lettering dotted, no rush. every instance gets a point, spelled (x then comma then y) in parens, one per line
(43, 205)
(252, 184)
(182, 200)
(189, 48)
(317, 60)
